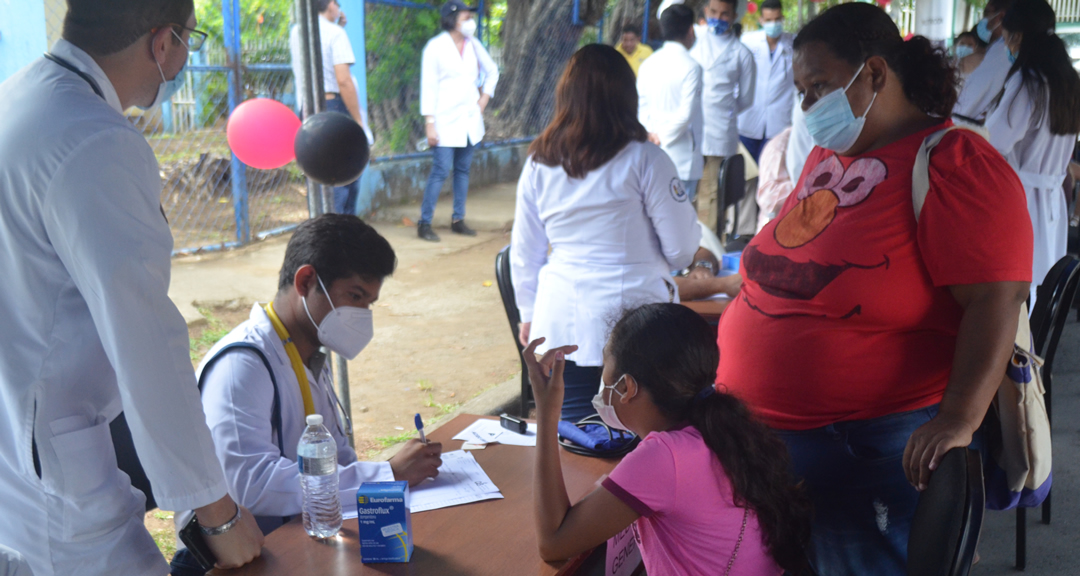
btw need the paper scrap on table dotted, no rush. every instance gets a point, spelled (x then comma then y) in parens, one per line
(471, 446)
(485, 431)
(461, 480)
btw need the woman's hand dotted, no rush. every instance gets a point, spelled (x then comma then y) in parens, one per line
(523, 333)
(483, 102)
(432, 135)
(546, 377)
(929, 444)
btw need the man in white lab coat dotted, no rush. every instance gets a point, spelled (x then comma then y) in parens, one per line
(774, 88)
(89, 329)
(728, 90)
(457, 80)
(262, 379)
(985, 83)
(669, 97)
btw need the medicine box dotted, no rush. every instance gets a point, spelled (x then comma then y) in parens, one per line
(385, 524)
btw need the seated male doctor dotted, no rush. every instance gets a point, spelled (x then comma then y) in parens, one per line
(334, 268)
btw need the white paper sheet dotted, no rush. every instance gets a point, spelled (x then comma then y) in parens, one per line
(461, 480)
(485, 431)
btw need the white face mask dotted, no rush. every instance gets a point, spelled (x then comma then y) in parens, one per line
(346, 330)
(605, 410)
(468, 28)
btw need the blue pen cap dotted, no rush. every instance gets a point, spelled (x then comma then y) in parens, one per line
(419, 422)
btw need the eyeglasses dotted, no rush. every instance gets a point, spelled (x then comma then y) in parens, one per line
(195, 39)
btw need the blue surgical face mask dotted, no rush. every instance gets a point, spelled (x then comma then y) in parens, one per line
(1012, 57)
(167, 87)
(773, 29)
(832, 124)
(963, 51)
(983, 30)
(718, 26)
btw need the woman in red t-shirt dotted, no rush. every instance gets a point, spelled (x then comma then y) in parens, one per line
(874, 343)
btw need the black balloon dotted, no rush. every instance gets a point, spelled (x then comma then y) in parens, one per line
(331, 148)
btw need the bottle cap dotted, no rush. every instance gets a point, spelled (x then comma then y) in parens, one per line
(314, 420)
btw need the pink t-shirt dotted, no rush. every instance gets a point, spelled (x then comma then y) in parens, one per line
(689, 523)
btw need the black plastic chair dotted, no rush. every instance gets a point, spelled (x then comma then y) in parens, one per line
(1054, 298)
(506, 290)
(731, 187)
(948, 518)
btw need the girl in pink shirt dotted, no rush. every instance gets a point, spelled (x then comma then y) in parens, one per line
(708, 489)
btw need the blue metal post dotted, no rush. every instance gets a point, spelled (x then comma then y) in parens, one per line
(230, 13)
(645, 26)
(600, 29)
(480, 22)
(356, 31)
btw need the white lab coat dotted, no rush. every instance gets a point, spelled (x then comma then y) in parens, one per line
(13, 564)
(774, 88)
(983, 85)
(89, 330)
(615, 237)
(669, 104)
(728, 88)
(238, 397)
(450, 86)
(1041, 160)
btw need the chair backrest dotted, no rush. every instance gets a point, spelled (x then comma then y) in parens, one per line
(731, 187)
(948, 518)
(1054, 298)
(513, 315)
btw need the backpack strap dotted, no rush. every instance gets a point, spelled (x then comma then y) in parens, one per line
(920, 173)
(275, 411)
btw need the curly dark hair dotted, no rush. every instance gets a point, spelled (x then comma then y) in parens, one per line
(671, 352)
(855, 32)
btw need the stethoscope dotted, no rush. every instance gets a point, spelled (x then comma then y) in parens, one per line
(89, 80)
(340, 412)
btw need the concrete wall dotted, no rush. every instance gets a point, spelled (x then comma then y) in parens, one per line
(23, 34)
(399, 181)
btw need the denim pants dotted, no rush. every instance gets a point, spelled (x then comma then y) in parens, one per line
(344, 196)
(581, 384)
(446, 159)
(863, 503)
(754, 146)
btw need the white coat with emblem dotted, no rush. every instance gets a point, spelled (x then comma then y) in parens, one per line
(450, 86)
(1040, 160)
(728, 88)
(238, 397)
(615, 236)
(774, 89)
(669, 105)
(88, 330)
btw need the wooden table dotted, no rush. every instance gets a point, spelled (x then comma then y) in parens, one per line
(495, 537)
(710, 310)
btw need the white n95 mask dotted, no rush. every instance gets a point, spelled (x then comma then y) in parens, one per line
(468, 28)
(605, 410)
(346, 330)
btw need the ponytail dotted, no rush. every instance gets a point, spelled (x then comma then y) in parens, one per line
(759, 468)
(855, 32)
(671, 352)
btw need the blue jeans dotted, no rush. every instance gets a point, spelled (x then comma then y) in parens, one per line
(344, 196)
(863, 504)
(446, 158)
(754, 146)
(581, 384)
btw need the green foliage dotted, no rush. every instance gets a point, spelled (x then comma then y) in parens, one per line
(214, 331)
(395, 37)
(388, 441)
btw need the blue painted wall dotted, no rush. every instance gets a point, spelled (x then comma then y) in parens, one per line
(22, 34)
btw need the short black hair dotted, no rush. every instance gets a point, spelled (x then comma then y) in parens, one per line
(323, 5)
(676, 22)
(999, 5)
(338, 246)
(773, 5)
(449, 21)
(104, 27)
(631, 28)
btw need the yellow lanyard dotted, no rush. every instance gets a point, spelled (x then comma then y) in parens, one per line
(294, 358)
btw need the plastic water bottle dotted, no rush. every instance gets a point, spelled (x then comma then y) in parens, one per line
(317, 457)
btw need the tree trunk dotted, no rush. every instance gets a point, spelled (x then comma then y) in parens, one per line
(629, 12)
(539, 38)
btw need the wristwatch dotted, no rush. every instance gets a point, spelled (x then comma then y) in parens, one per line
(224, 528)
(703, 264)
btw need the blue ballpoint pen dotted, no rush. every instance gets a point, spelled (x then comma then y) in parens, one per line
(420, 428)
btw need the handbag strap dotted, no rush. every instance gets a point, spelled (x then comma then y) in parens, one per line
(738, 543)
(920, 173)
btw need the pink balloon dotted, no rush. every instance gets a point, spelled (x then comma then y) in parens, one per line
(261, 133)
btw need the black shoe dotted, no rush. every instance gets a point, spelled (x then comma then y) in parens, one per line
(459, 227)
(425, 232)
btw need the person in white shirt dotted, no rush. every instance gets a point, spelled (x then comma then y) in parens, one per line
(13, 564)
(338, 84)
(728, 90)
(983, 85)
(669, 97)
(457, 80)
(89, 329)
(799, 144)
(1035, 124)
(255, 397)
(774, 88)
(613, 210)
